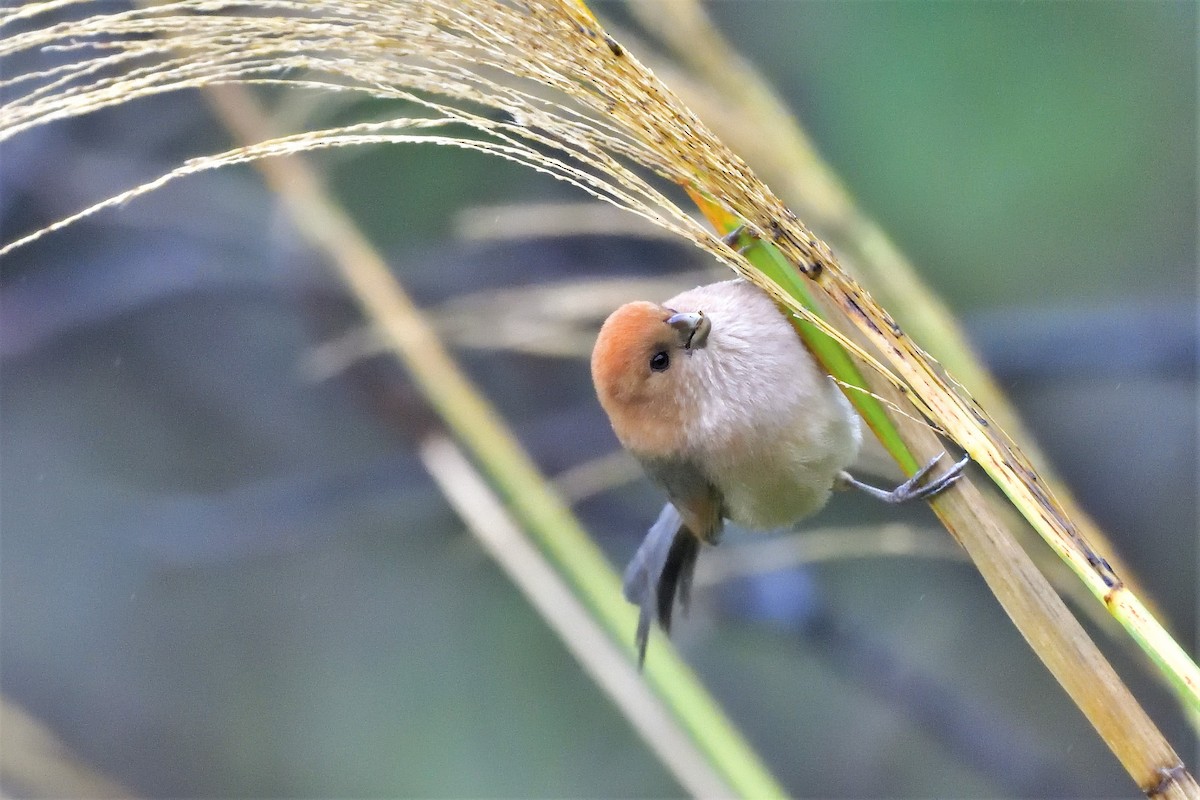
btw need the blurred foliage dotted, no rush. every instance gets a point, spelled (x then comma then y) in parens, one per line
(220, 578)
(1011, 149)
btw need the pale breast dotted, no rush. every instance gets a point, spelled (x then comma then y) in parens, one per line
(790, 475)
(771, 428)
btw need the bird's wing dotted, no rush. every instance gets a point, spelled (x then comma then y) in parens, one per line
(699, 502)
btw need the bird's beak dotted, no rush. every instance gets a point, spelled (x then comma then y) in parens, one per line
(693, 326)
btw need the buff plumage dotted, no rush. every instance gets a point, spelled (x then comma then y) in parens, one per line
(717, 397)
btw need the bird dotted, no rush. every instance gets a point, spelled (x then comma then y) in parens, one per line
(719, 400)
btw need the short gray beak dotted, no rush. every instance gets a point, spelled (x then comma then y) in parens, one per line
(693, 326)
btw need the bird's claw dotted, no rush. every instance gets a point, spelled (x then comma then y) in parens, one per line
(915, 488)
(734, 238)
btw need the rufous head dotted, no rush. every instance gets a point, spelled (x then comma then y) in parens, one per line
(641, 370)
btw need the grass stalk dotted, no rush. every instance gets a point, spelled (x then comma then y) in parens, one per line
(940, 399)
(732, 95)
(490, 522)
(1022, 590)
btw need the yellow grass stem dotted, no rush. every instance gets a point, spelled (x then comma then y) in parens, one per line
(736, 99)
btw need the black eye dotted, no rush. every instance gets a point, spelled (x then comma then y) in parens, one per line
(660, 361)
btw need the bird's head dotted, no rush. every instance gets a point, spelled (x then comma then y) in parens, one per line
(644, 376)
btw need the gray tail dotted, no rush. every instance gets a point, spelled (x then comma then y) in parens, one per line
(660, 571)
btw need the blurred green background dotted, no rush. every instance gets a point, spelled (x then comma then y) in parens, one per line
(220, 576)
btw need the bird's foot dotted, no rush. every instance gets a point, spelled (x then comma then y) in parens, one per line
(740, 238)
(915, 488)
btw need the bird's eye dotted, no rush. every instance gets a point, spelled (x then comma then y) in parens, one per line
(660, 361)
